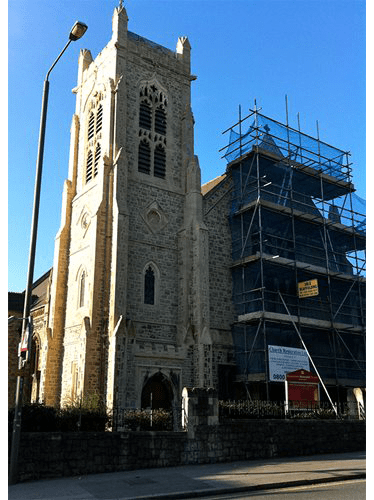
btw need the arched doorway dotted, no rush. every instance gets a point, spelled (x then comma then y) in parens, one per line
(157, 393)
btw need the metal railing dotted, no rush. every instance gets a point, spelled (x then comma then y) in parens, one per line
(147, 419)
(361, 411)
(128, 419)
(256, 409)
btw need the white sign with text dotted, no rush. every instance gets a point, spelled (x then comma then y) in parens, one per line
(283, 360)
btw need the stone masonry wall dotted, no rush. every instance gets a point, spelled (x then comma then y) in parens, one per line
(116, 221)
(216, 217)
(46, 455)
(155, 211)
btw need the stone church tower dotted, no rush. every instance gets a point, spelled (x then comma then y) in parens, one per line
(129, 306)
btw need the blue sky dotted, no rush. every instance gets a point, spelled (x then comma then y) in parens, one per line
(313, 51)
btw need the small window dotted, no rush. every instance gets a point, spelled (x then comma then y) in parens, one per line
(99, 119)
(160, 121)
(97, 158)
(149, 286)
(144, 158)
(145, 116)
(82, 289)
(91, 126)
(74, 380)
(89, 166)
(160, 162)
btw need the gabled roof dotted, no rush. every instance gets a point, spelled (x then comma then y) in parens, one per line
(40, 289)
(39, 294)
(15, 301)
(205, 188)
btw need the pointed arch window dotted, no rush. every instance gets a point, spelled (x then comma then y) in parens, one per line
(35, 368)
(82, 289)
(97, 158)
(144, 157)
(91, 126)
(149, 286)
(152, 131)
(145, 115)
(159, 162)
(74, 380)
(89, 166)
(160, 120)
(94, 127)
(99, 119)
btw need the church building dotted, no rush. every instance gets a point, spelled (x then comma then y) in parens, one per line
(159, 283)
(130, 302)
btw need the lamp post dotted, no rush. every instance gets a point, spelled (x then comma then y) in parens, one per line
(76, 32)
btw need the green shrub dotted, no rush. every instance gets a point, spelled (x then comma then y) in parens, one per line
(84, 414)
(318, 413)
(250, 409)
(88, 415)
(36, 417)
(75, 419)
(142, 420)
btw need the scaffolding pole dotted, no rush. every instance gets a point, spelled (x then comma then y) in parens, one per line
(309, 356)
(296, 159)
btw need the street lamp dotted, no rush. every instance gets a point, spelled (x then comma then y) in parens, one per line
(76, 32)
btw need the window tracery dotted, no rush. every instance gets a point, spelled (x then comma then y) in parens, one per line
(94, 128)
(152, 131)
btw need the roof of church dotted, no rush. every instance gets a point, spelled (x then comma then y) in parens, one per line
(15, 301)
(39, 294)
(155, 45)
(205, 188)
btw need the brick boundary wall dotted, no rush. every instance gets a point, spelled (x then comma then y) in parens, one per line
(50, 455)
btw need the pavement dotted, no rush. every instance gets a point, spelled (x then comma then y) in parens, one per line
(193, 481)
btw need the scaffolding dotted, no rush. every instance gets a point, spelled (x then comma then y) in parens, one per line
(295, 219)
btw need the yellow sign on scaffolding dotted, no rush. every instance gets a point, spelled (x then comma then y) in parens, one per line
(308, 288)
